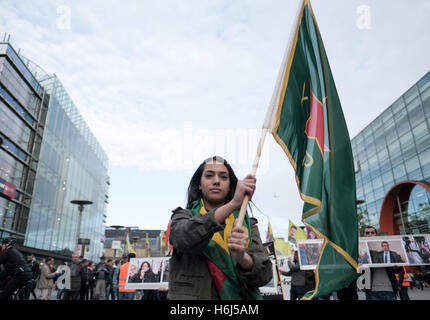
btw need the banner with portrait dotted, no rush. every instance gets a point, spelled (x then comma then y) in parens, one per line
(148, 273)
(309, 253)
(295, 233)
(403, 250)
(375, 252)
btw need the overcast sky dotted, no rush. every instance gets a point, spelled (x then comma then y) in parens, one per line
(165, 84)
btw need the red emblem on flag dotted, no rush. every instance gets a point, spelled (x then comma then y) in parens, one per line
(315, 123)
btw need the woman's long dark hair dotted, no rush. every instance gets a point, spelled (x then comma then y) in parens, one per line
(141, 267)
(194, 193)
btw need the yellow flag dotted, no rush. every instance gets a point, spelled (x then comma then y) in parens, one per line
(147, 246)
(283, 247)
(269, 234)
(295, 233)
(129, 247)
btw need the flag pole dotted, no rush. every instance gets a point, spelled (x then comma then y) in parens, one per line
(253, 172)
(271, 112)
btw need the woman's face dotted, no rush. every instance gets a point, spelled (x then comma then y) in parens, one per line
(215, 183)
(145, 267)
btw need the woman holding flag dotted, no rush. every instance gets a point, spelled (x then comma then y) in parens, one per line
(214, 258)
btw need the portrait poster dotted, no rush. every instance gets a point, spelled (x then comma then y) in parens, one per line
(311, 234)
(417, 248)
(376, 252)
(295, 233)
(386, 252)
(400, 250)
(309, 253)
(148, 273)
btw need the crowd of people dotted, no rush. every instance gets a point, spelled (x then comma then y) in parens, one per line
(42, 280)
(213, 256)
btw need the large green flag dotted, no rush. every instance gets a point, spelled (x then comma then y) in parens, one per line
(307, 121)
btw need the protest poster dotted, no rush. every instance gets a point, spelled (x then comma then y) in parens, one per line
(401, 250)
(309, 253)
(295, 233)
(375, 252)
(148, 273)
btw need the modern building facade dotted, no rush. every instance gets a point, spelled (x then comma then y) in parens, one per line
(393, 149)
(50, 155)
(72, 166)
(23, 106)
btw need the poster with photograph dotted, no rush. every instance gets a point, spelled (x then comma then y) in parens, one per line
(417, 248)
(386, 252)
(295, 233)
(270, 248)
(376, 252)
(148, 273)
(363, 253)
(309, 253)
(401, 250)
(283, 262)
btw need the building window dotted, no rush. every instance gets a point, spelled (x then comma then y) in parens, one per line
(424, 157)
(412, 164)
(415, 112)
(425, 96)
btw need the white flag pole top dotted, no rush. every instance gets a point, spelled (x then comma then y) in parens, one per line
(269, 121)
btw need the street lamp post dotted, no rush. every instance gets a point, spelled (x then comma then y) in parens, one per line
(135, 239)
(81, 204)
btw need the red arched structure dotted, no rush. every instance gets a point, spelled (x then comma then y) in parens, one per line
(389, 207)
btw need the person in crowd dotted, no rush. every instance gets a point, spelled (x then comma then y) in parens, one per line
(102, 273)
(349, 292)
(298, 278)
(35, 270)
(125, 294)
(207, 242)
(109, 278)
(46, 281)
(145, 274)
(403, 283)
(115, 279)
(78, 274)
(85, 281)
(16, 272)
(384, 284)
(91, 279)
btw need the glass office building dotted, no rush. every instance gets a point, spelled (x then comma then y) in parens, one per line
(394, 148)
(23, 106)
(72, 166)
(48, 157)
